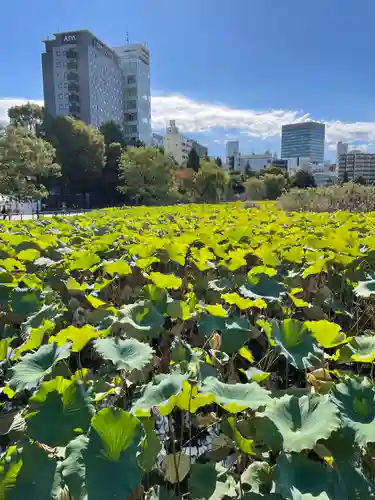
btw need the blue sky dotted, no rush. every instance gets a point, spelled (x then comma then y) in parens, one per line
(224, 69)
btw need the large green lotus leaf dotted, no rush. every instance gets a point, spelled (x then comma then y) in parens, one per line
(128, 354)
(112, 470)
(28, 255)
(51, 312)
(140, 320)
(150, 446)
(235, 331)
(179, 309)
(236, 397)
(342, 448)
(33, 475)
(294, 341)
(161, 392)
(299, 478)
(362, 349)
(301, 422)
(365, 288)
(59, 410)
(35, 338)
(103, 464)
(25, 301)
(27, 373)
(72, 468)
(82, 260)
(166, 281)
(254, 374)
(327, 333)
(202, 480)
(211, 481)
(355, 399)
(257, 476)
(119, 267)
(263, 286)
(244, 444)
(79, 337)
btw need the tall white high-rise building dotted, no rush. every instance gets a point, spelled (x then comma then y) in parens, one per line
(135, 64)
(233, 155)
(82, 78)
(341, 149)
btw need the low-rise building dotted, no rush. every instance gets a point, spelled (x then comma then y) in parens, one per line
(201, 150)
(357, 164)
(256, 162)
(178, 146)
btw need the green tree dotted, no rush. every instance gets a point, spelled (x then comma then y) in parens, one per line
(107, 187)
(25, 162)
(193, 161)
(302, 179)
(236, 182)
(29, 116)
(248, 169)
(80, 150)
(360, 180)
(273, 169)
(255, 189)
(211, 182)
(218, 161)
(112, 132)
(274, 184)
(147, 176)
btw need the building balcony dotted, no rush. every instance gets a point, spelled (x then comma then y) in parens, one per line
(73, 87)
(71, 54)
(72, 65)
(72, 77)
(73, 98)
(74, 109)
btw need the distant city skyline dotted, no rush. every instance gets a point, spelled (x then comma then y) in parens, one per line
(239, 83)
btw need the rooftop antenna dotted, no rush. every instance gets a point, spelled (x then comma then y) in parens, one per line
(127, 38)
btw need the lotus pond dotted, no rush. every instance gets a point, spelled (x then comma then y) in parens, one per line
(196, 351)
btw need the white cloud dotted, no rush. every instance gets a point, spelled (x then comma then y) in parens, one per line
(199, 116)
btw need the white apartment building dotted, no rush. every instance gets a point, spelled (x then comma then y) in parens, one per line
(178, 146)
(256, 162)
(357, 164)
(134, 60)
(325, 174)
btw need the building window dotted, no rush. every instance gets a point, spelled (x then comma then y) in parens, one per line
(61, 106)
(61, 96)
(60, 85)
(58, 64)
(132, 79)
(58, 53)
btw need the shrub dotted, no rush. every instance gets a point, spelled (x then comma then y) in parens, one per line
(255, 189)
(274, 184)
(351, 197)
